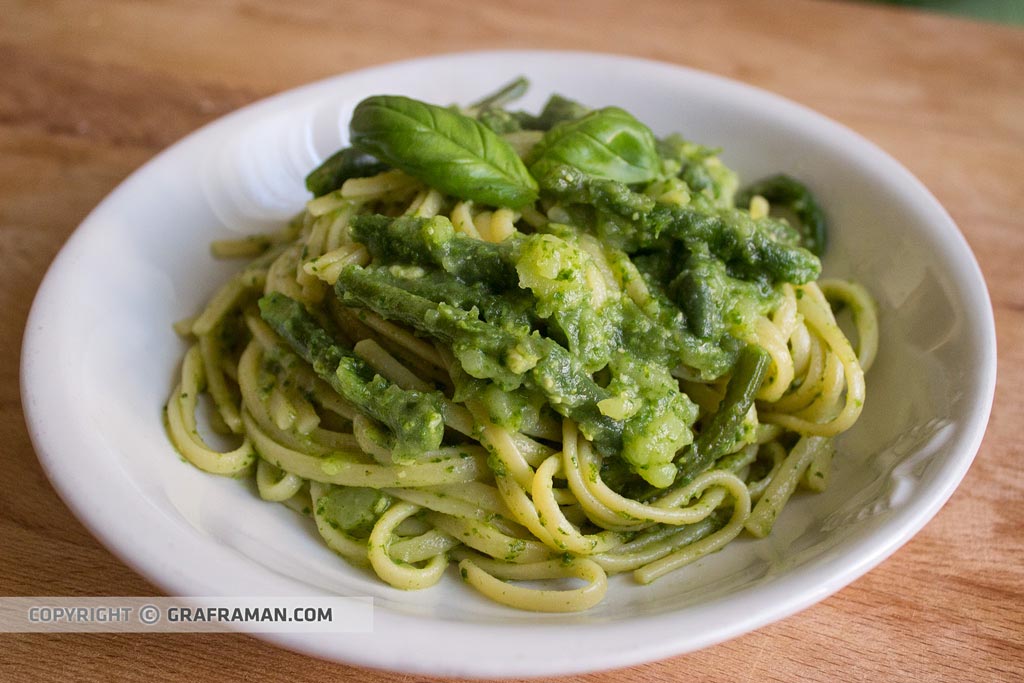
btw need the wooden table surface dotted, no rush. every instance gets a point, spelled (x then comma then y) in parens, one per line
(89, 91)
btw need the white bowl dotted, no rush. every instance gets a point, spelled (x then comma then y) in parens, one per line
(99, 357)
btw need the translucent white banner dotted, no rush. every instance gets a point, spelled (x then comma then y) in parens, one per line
(186, 615)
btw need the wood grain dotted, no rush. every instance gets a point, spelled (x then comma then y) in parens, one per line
(89, 91)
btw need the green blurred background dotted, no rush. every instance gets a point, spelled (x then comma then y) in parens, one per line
(1004, 11)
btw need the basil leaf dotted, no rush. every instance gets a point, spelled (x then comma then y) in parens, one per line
(608, 143)
(443, 148)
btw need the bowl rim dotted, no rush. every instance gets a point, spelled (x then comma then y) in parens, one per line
(783, 597)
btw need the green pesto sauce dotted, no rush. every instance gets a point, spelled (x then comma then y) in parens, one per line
(647, 268)
(352, 509)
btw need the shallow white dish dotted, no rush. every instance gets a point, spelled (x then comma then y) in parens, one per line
(99, 357)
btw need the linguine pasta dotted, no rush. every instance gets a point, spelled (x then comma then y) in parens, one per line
(488, 463)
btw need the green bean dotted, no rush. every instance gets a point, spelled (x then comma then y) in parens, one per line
(434, 242)
(339, 167)
(729, 234)
(507, 93)
(717, 436)
(512, 310)
(414, 417)
(557, 110)
(785, 191)
(486, 351)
